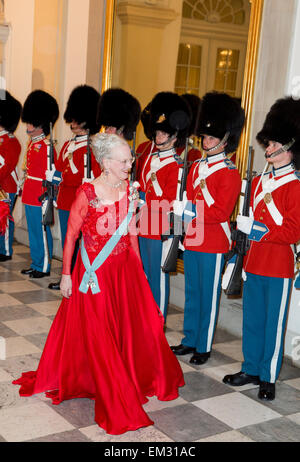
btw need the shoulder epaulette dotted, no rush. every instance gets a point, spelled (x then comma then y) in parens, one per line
(11, 135)
(46, 141)
(230, 164)
(178, 159)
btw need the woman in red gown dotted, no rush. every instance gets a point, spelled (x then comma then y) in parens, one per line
(106, 341)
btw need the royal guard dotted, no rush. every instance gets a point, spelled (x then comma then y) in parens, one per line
(76, 156)
(119, 113)
(213, 187)
(10, 149)
(160, 184)
(39, 111)
(146, 148)
(272, 228)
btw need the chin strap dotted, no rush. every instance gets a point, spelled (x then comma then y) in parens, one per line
(283, 148)
(222, 142)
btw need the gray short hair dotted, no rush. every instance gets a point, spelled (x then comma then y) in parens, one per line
(103, 143)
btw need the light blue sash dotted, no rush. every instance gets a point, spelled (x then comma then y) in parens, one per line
(90, 278)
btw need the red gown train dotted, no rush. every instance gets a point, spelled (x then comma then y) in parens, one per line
(108, 346)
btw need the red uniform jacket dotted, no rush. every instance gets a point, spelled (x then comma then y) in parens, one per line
(144, 149)
(10, 149)
(273, 256)
(71, 163)
(213, 185)
(160, 182)
(36, 166)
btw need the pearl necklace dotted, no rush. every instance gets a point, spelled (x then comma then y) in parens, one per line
(115, 186)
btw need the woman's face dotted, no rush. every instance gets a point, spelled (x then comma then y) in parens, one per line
(119, 162)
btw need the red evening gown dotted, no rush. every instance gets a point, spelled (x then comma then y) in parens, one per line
(108, 346)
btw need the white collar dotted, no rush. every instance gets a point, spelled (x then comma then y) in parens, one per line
(80, 138)
(3, 132)
(215, 158)
(167, 153)
(36, 139)
(277, 172)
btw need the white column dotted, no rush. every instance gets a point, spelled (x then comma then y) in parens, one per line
(76, 48)
(18, 63)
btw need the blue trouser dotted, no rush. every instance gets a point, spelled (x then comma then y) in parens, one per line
(265, 305)
(40, 239)
(151, 255)
(6, 240)
(63, 222)
(202, 273)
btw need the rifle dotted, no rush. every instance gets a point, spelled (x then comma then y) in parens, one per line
(133, 168)
(87, 160)
(170, 262)
(241, 239)
(49, 195)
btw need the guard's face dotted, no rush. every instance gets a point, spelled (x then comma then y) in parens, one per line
(209, 142)
(33, 131)
(78, 129)
(163, 140)
(283, 158)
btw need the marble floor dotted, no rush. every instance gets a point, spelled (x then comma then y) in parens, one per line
(206, 411)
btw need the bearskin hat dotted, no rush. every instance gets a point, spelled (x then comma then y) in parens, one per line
(40, 109)
(171, 114)
(82, 108)
(118, 108)
(194, 103)
(282, 124)
(10, 112)
(221, 114)
(145, 119)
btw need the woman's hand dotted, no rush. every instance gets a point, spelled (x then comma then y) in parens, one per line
(66, 285)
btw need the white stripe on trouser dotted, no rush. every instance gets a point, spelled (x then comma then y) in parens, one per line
(214, 302)
(164, 252)
(6, 238)
(274, 360)
(46, 256)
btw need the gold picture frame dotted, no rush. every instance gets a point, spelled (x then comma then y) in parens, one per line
(248, 82)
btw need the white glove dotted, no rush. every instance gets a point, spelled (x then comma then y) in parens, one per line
(49, 175)
(87, 180)
(227, 275)
(179, 206)
(244, 224)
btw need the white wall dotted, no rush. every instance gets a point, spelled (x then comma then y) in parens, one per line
(19, 14)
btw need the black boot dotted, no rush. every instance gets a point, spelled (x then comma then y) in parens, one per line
(181, 350)
(4, 257)
(199, 358)
(27, 271)
(240, 378)
(54, 285)
(266, 391)
(37, 274)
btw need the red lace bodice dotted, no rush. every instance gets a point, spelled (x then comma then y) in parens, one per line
(97, 222)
